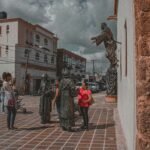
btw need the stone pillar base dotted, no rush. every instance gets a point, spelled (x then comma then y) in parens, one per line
(111, 99)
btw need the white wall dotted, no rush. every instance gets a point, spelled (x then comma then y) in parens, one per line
(126, 84)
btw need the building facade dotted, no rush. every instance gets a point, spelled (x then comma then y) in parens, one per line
(27, 51)
(67, 60)
(133, 25)
(127, 70)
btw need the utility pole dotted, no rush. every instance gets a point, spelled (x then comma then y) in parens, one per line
(26, 70)
(93, 61)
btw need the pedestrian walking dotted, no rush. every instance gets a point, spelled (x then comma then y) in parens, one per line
(9, 101)
(67, 93)
(84, 101)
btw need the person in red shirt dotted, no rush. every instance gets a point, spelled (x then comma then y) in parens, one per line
(84, 99)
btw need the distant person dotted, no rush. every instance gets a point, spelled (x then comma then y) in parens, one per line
(84, 101)
(9, 101)
(57, 98)
(67, 93)
(2, 94)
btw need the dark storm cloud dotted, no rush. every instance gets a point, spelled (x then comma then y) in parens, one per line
(74, 21)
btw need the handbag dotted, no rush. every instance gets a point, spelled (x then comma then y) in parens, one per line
(92, 100)
(11, 102)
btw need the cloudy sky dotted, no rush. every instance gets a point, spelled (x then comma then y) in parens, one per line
(74, 22)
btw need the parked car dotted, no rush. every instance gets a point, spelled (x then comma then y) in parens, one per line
(78, 85)
(102, 86)
(94, 87)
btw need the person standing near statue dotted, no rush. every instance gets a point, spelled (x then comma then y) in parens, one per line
(67, 92)
(84, 101)
(45, 99)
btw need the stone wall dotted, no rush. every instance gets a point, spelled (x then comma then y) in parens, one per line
(142, 13)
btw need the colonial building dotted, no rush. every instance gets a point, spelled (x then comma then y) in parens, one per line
(133, 23)
(27, 51)
(67, 60)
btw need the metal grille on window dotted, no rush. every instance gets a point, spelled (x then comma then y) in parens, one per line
(45, 59)
(26, 53)
(37, 38)
(7, 50)
(7, 29)
(0, 51)
(52, 59)
(37, 56)
(45, 42)
(0, 30)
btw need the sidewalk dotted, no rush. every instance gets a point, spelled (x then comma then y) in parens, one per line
(104, 133)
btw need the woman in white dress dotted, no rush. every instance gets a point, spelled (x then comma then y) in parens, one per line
(9, 102)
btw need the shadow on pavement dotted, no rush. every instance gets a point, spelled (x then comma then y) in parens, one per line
(101, 126)
(25, 113)
(33, 128)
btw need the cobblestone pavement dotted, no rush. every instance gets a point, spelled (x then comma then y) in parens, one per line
(104, 130)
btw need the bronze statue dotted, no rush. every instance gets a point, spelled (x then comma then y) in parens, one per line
(67, 92)
(110, 44)
(45, 99)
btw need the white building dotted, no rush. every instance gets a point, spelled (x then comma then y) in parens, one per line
(22, 42)
(124, 13)
(133, 32)
(127, 70)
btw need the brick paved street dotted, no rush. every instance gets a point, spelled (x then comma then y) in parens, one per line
(104, 133)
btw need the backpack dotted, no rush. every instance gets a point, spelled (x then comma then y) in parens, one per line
(11, 102)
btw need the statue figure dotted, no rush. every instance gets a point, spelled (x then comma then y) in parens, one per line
(110, 44)
(67, 92)
(45, 99)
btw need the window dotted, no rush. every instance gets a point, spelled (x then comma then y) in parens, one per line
(114, 16)
(120, 64)
(26, 53)
(37, 38)
(126, 51)
(37, 56)
(45, 42)
(52, 60)
(45, 58)
(0, 52)
(6, 50)
(27, 34)
(65, 59)
(31, 37)
(0, 30)
(7, 29)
